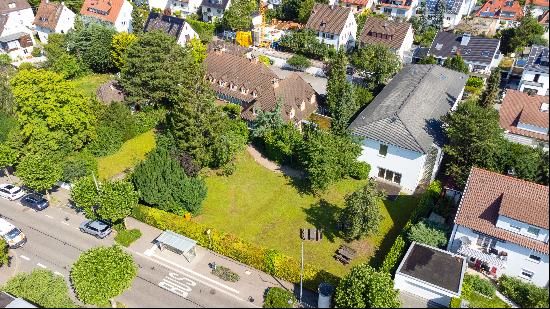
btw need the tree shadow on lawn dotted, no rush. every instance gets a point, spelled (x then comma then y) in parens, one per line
(300, 184)
(324, 215)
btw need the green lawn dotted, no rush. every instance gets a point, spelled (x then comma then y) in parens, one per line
(89, 83)
(131, 153)
(479, 301)
(267, 209)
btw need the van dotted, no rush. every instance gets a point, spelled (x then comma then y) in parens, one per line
(12, 235)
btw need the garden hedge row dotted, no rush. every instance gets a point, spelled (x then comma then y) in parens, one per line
(425, 205)
(270, 261)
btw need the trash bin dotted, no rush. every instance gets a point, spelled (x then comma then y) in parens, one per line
(325, 295)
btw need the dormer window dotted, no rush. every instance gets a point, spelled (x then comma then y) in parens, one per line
(221, 83)
(232, 86)
(254, 94)
(312, 100)
(254, 111)
(544, 107)
(12, 5)
(533, 231)
(292, 113)
(243, 90)
(303, 105)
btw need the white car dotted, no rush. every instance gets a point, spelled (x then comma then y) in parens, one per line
(11, 192)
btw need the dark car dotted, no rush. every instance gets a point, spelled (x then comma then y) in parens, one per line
(97, 228)
(35, 201)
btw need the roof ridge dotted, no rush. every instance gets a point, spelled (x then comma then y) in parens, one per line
(508, 176)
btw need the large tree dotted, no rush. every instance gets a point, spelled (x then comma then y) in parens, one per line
(489, 97)
(8, 157)
(439, 15)
(377, 63)
(238, 16)
(6, 95)
(39, 171)
(340, 96)
(116, 200)
(456, 63)
(92, 44)
(101, 274)
(529, 32)
(85, 195)
(361, 215)
(364, 287)
(119, 47)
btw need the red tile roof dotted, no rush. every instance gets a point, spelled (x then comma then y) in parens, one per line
(543, 3)
(497, 7)
(106, 10)
(391, 33)
(521, 107)
(328, 18)
(355, 2)
(8, 6)
(543, 19)
(48, 14)
(489, 194)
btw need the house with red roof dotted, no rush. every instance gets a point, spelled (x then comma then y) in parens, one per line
(404, 9)
(357, 6)
(508, 12)
(539, 7)
(501, 227)
(117, 13)
(53, 17)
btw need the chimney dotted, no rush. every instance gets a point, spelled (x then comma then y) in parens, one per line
(544, 107)
(465, 39)
(511, 172)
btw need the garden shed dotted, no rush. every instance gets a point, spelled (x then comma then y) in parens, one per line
(178, 244)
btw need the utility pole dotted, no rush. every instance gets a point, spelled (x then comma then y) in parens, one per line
(302, 273)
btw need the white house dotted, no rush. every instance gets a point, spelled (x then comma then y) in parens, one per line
(358, 6)
(174, 26)
(19, 11)
(401, 129)
(214, 9)
(16, 40)
(396, 35)
(185, 7)
(535, 74)
(455, 10)
(430, 273)
(502, 226)
(404, 9)
(53, 17)
(335, 25)
(117, 13)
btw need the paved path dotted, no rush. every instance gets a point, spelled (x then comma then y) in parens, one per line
(272, 166)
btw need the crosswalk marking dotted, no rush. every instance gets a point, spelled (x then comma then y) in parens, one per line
(41, 265)
(24, 258)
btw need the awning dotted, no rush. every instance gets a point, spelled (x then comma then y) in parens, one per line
(487, 258)
(176, 241)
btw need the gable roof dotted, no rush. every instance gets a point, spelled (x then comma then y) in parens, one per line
(216, 4)
(48, 14)
(476, 49)
(355, 2)
(543, 19)
(16, 5)
(407, 111)
(452, 6)
(543, 3)
(488, 194)
(328, 18)
(538, 59)
(501, 9)
(391, 33)
(521, 107)
(168, 24)
(106, 10)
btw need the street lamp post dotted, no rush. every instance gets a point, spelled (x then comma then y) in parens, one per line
(302, 272)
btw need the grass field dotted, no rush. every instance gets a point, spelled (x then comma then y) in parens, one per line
(266, 208)
(131, 153)
(89, 83)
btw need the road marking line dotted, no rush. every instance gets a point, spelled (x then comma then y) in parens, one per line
(48, 216)
(24, 258)
(41, 265)
(63, 222)
(59, 274)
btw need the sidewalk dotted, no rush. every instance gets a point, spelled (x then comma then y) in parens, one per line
(253, 283)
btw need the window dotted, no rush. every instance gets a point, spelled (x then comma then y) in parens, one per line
(486, 241)
(534, 258)
(515, 227)
(383, 150)
(389, 175)
(527, 274)
(533, 230)
(536, 78)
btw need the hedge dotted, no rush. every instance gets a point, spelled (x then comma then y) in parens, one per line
(526, 295)
(270, 261)
(481, 286)
(427, 202)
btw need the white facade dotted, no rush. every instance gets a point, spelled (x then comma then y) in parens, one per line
(407, 43)
(525, 140)
(186, 7)
(520, 261)
(536, 81)
(357, 8)
(64, 24)
(210, 14)
(186, 33)
(23, 17)
(451, 20)
(345, 39)
(13, 48)
(123, 22)
(396, 10)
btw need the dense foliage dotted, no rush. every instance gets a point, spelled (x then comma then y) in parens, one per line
(429, 233)
(92, 45)
(119, 47)
(456, 63)
(78, 165)
(490, 95)
(526, 295)
(238, 16)
(4, 253)
(116, 200)
(480, 285)
(39, 171)
(85, 195)
(305, 42)
(299, 62)
(529, 32)
(340, 94)
(279, 298)
(377, 63)
(361, 214)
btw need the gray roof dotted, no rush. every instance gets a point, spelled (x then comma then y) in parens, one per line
(12, 37)
(538, 59)
(9, 301)
(477, 49)
(168, 24)
(3, 21)
(176, 241)
(453, 6)
(216, 4)
(407, 111)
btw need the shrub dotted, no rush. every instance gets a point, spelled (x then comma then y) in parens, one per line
(359, 170)
(474, 84)
(480, 285)
(5, 60)
(526, 295)
(26, 66)
(4, 255)
(108, 141)
(225, 273)
(79, 165)
(127, 237)
(395, 255)
(429, 233)
(279, 298)
(265, 60)
(203, 29)
(269, 261)
(36, 52)
(455, 302)
(299, 62)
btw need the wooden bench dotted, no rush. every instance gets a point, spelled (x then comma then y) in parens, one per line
(344, 254)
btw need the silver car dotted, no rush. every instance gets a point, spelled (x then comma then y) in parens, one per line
(97, 228)
(10, 192)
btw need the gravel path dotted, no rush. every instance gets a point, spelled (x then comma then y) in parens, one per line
(272, 166)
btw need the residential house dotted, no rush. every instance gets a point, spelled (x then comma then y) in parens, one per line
(502, 226)
(455, 10)
(430, 273)
(480, 53)
(19, 11)
(401, 132)
(543, 20)
(117, 13)
(358, 6)
(535, 73)
(404, 9)
(214, 9)
(252, 85)
(539, 7)
(335, 25)
(396, 35)
(53, 17)
(9, 301)
(174, 26)
(185, 7)
(507, 12)
(524, 118)
(16, 40)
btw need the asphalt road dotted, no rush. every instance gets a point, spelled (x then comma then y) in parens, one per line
(55, 242)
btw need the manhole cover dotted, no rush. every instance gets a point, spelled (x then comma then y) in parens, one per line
(212, 291)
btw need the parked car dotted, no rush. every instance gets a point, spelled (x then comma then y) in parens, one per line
(12, 235)
(35, 201)
(97, 228)
(11, 192)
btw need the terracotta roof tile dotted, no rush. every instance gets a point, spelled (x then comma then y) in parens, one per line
(388, 32)
(498, 9)
(48, 14)
(8, 6)
(543, 3)
(328, 18)
(489, 194)
(521, 107)
(106, 10)
(543, 19)
(355, 2)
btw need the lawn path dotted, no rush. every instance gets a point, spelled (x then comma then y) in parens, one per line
(272, 166)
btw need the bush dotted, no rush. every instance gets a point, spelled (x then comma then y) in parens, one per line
(482, 286)
(474, 84)
(395, 255)
(127, 237)
(279, 298)
(455, 302)
(5, 60)
(299, 62)
(26, 66)
(429, 233)
(4, 255)
(108, 141)
(265, 60)
(36, 52)
(225, 273)
(79, 165)
(526, 295)
(359, 170)
(204, 30)
(269, 261)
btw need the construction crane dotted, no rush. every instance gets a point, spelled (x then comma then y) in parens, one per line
(263, 10)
